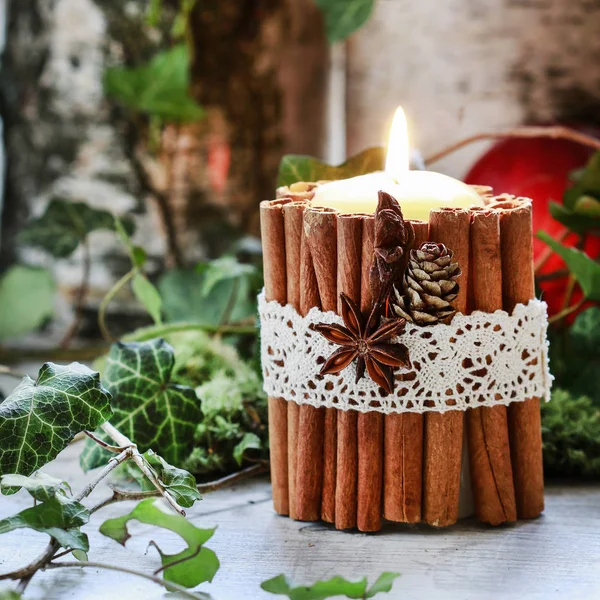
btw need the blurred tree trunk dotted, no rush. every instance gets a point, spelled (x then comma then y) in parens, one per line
(259, 67)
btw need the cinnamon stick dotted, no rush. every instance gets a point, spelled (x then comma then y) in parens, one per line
(274, 264)
(524, 420)
(444, 431)
(293, 217)
(369, 425)
(403, 448)
(320, 254)
(487, 427)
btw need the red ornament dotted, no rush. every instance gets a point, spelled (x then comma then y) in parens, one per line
(538, 168)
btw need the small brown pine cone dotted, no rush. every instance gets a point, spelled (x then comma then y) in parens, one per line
(428, 287)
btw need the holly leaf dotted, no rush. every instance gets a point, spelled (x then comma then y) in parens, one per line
(159, 88)
(65, 224)
(148, 407)
(181, 484)
(585, 270)
(343, 17)
(148, 295)
(40, 418)
(336, 586)
(295, 167)
(189, 568)
(60, 517)
(27, 300)
(40, 486)
(250, 441)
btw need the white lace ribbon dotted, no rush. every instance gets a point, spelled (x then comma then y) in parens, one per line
(482, 359)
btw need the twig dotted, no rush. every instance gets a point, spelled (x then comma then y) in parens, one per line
(82, 293)
(203, 488)
(63, 553)
(147, 333)
(115, 449)
(139, 460)
(106, 301)
(566, 312)
(547, 253)
(554, 132)
(6, 370)
(552, 276)
(169, 585)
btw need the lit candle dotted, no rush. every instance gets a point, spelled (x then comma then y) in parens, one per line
(418, 192)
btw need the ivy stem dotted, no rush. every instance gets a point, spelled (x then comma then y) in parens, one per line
(554, 132)
(169, 585)
(107, 300)
(82, 293)
(148, 333)
(114, 449)
(138, 459)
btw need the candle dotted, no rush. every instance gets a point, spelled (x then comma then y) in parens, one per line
(418, 192)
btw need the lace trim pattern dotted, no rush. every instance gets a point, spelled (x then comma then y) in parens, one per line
(482, 359)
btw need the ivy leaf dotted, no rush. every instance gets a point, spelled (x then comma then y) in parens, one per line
(10, 595)
(59, 517)
(336, 586)
(585, 270)
(180, 483)
(65, 225)
(40, 418)
(148, 295)
(27, 300)
(250, 441)
(383, 584)
(40, 486)
(201, 564)
(343, 17)
(576, 221)
(159, 88)
(148, 407)
(224, 269)
(296, 167)
(137, 254)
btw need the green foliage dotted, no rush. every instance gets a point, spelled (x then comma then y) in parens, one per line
(250, 441)
(192, 566)
(294, 167)
(580, 210)
(40, 486)
(571, 435)
(336, 586)
(41, 417)
(9, 595)
(66, 224)
(159, 88)
(59, 516)
(148, 295)
(148, 407)
(180, 483)
(216, 292)
(21, 310)
(343, 17)
(585, 270)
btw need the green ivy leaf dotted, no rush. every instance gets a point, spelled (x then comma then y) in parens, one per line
(147, 406)
(250, 441)
(59, 517)
(224, 269)
(585, 270)
(65, 224)
(137, 254)
(343, 17)
(336, 586)
(148, 295)
(383, 584)
(159, 88)
(40, 486)
(27, 300)
(295, 167)
(40, 418)
(588, 178)
(201, 564)
(10, 595)
(181, 484)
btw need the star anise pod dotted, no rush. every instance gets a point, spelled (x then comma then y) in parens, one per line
(367, 342)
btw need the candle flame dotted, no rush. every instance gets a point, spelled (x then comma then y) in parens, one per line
(397, 161)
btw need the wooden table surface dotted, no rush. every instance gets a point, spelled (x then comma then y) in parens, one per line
(556, 556)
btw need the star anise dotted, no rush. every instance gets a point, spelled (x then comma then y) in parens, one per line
(368, 343)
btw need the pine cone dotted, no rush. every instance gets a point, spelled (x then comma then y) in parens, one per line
(428, 287)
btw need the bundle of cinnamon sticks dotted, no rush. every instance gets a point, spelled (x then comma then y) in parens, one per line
(355, 469)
